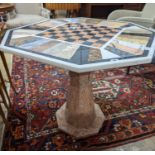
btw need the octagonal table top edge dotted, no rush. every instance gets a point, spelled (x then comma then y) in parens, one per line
(113, 63)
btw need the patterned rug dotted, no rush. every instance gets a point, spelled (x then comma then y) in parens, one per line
(129, 111)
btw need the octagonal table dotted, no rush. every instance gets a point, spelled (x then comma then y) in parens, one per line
(81, 45)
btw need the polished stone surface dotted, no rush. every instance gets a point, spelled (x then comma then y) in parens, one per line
(86, 44)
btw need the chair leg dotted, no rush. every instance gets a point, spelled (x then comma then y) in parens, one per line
(5, 89)
(7, 70)
(67, 14)
(53, 13)
(3, 116)
(71, 14)
(128, 70)
(75, 13)
(3, 98)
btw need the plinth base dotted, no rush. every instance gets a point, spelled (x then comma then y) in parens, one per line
(80, 132)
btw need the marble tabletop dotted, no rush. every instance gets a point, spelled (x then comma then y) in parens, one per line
(82, 44)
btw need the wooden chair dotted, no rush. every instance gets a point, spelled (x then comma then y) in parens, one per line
(2, 31)
(4, 96)
(7, 71)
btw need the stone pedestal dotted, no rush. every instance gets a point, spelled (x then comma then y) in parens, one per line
(80, 117)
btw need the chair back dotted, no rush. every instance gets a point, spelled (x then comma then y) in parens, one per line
(148, 10)
(28, 8)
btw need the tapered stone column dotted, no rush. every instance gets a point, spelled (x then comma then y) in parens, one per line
(80, 117)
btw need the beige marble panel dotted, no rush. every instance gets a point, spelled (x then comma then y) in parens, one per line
(112, 24)
(141, 40)
(64, 50)
(94, 55)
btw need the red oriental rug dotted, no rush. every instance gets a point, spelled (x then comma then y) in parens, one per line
(42, 88)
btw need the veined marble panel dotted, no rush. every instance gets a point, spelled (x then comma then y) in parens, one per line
(112, 24)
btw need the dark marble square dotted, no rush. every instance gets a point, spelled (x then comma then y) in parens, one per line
(70, 40)
(87, 43)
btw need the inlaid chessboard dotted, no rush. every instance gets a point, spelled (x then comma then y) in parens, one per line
(91, 35)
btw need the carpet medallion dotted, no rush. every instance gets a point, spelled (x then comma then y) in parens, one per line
(42, 89)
